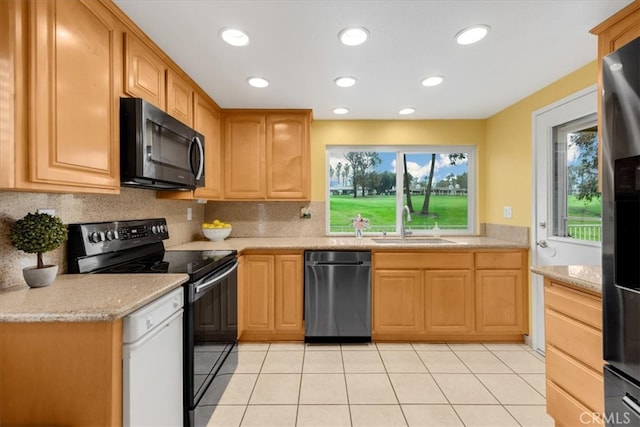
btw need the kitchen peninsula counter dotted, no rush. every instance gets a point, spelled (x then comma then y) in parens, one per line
(347, 243)
(584, 277)
(85, 297)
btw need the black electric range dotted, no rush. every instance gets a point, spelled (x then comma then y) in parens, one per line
(135, 246)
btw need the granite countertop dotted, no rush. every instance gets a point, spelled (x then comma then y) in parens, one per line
(85, 297)
(588, 277)
(337, 243)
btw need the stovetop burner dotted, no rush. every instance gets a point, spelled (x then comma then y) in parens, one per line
(135, 247)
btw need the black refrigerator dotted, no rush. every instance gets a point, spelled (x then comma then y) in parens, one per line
(621, 234)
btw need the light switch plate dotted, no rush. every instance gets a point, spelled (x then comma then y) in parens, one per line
(507, 212)
(189, 214)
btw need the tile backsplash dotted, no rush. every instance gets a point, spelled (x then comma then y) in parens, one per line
(249, 219)
(72, 208)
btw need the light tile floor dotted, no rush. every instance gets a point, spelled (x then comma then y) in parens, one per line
(370, 385)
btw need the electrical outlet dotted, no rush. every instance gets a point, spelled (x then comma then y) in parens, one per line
(189, 214)
(51, 212)
(506, 212)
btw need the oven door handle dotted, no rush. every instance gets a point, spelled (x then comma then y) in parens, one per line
(218, 278)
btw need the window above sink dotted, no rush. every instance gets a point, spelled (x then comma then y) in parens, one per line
(439, 187)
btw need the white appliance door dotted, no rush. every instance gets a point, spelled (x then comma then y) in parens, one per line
(152, 377)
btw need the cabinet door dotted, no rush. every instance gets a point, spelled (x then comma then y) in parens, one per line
(449, 303)
(179, 98)
(74, 86)
(287, 154)
(258, 292)
(289, 287)
(500, 301)
(398, 302)
(244, 156)
(144, 72)
(207, 122)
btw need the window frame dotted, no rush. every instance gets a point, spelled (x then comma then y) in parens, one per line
(399, 150)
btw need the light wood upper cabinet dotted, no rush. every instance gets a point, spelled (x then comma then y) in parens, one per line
(288, 159)
(267, 155)
(244, 136)
(145, 72)
(207, 121)
(67, 57)
(271, 289)
(614, 33)
(179, 98)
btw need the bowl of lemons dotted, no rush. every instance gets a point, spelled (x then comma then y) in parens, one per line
(216, 230)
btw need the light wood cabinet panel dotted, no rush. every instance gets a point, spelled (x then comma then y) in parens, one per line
(574, 338)
(61, 373)
(179, 98)
(585, 384)
(271, 296)
(426, 259)
(287, 156)
(578, 305)
(567, 411)
(500, 301)
(289, 301)
(145, 72)
(63, 133)
(398, 302)
(449, 303)
(244, 148)
(258, 291)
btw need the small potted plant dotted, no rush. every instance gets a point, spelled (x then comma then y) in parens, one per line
(37, 233)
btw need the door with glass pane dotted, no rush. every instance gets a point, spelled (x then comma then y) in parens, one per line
(566, 227)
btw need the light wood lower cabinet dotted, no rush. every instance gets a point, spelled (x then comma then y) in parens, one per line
(271, 288)
(62, 373)
(449, 296)
(398, 302)
(573, 347)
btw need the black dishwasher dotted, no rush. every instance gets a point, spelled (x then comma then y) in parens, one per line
(337, 296)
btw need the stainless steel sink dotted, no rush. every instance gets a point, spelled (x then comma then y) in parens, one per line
(413, 241)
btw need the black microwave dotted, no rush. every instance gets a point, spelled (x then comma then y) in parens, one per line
(158, 151)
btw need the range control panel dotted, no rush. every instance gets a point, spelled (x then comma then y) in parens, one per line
(103, 237)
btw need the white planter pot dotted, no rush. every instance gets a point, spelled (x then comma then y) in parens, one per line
(40, 277)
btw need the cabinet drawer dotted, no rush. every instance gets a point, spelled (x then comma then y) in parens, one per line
(499, 260)
(574, 338)
(576, 379)
(567, 411)
(575, 304)
(420, 260)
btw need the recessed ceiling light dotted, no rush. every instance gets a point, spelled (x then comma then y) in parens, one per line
(345, 81)
(340, 110)
(234, 37)
(258, 82)
(432, 81)
(472, 34)
(353, 36)
(407, 111)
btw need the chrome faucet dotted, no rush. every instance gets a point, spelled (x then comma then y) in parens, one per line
(403, 232)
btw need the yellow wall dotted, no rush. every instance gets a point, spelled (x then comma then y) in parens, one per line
(506, 160)
(503, 144)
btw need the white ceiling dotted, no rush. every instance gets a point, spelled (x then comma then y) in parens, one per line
(295, 45)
